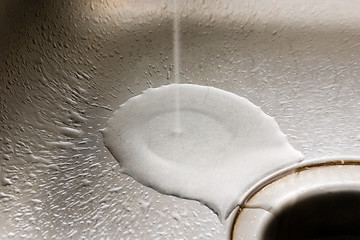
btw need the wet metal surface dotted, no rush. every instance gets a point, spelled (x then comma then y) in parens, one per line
(67, 65)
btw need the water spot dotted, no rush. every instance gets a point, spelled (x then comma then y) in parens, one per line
(101, 106)
(130, 90)
(61, 144)
(5, 196)
(85, 182)
(117, 189)
(38, 159)
(71, 132)
(77, 117)
(36, 201)
(224, 142)
(5, 181)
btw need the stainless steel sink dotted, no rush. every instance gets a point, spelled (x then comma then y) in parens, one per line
(67, 65)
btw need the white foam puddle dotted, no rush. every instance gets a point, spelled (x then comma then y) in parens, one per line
(225, 144)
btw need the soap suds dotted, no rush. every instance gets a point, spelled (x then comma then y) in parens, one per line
(225, 144)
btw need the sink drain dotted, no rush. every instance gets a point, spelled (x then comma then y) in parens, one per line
(323, 216)
(313, 200)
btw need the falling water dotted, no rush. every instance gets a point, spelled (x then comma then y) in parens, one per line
(176, 56)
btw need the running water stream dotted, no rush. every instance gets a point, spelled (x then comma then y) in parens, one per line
(176, 59)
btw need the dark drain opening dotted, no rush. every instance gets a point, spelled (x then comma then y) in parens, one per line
(327, 216)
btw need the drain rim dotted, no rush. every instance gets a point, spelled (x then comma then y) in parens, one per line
(334, 182)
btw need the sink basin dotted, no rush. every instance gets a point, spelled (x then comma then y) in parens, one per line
(66, 66)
